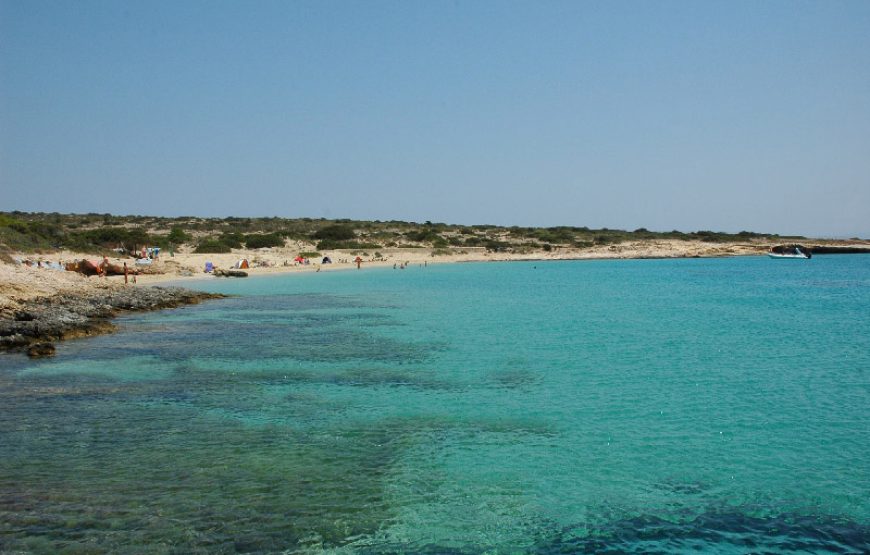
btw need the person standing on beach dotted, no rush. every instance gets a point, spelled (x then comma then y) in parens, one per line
(125, 273)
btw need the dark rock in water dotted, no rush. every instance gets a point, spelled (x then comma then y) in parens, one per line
(230, 273)
(68, 315)
(42, 349)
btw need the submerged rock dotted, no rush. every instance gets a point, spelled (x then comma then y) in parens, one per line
(41, 349)
(68, 315)
(230, 273)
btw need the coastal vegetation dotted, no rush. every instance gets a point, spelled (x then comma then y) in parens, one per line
(45, 232)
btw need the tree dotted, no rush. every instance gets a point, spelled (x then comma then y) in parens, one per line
(177, 236)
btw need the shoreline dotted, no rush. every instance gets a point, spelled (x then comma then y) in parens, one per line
(59, 307)
(413, 258)
(40, 323)
(39, 306)
(185, 266)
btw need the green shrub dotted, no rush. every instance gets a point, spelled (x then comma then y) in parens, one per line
(336, 232)
(212, 246)
(497, 246)
(712, 236)
(345, 245)
(474, 241)
(263, 241)
(423, 236)
(110, 237)
(177, 236)
(557, 235)
(93, 232)
(232, 240)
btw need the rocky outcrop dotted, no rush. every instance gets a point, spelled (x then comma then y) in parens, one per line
(44, 320)
(829, 249)
(230, 273)
(820, 249)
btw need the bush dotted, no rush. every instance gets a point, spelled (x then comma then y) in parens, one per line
(423, 236)
(212, 246)
(558, 235)
(110, 237)
(177, 236)
(263, 241)
(29, 235)
(335, 232)
(474, 241)
(345, 245)
(496, 246)
(232, 240)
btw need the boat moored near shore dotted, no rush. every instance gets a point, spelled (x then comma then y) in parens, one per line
(790, 251)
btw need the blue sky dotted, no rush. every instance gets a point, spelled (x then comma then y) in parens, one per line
(665, 115)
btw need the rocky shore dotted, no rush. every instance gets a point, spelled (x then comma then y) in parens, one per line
(37, 323)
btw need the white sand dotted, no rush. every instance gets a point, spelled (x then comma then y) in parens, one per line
(18, 282)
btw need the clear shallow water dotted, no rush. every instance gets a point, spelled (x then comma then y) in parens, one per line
(625, 406)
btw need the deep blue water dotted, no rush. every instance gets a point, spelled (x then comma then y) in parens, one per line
(719, 405)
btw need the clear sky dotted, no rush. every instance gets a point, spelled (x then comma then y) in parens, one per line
(666, 115)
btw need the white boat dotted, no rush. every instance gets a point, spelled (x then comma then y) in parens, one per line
(797, 254)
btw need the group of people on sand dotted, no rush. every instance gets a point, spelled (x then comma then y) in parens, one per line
(152, 253)
(106, 268)
(39, 263)
(102, 269)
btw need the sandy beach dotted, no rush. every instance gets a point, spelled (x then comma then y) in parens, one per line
(19, 283)
(95, 299)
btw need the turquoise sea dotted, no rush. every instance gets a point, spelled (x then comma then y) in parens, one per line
(696, 405)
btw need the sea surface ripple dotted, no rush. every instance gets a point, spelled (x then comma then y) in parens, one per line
(646, 406)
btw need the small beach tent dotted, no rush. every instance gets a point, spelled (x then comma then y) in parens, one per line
(209, 267)
(242, 264)
(326, 260)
